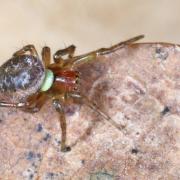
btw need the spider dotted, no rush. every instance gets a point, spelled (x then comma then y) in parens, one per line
(26, 82)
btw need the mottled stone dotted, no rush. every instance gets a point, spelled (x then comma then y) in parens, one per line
(139, 88)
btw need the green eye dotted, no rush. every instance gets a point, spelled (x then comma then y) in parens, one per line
(48, 80)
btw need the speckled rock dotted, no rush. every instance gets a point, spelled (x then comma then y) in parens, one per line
(139, 88)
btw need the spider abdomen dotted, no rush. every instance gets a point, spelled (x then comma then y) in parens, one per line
(21, 77)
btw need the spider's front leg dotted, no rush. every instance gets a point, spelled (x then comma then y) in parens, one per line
(78, 60)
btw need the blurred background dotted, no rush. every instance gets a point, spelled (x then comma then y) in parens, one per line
(88, 24)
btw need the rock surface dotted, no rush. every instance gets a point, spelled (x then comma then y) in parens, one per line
(139, 88)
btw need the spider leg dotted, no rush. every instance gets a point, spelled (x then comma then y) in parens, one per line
(46, 56)
(58, 56)
(15, 105)
(77, 60)
(94, 107)
(32, 105)
(29, 48)
(35, 102)
(59, 108)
